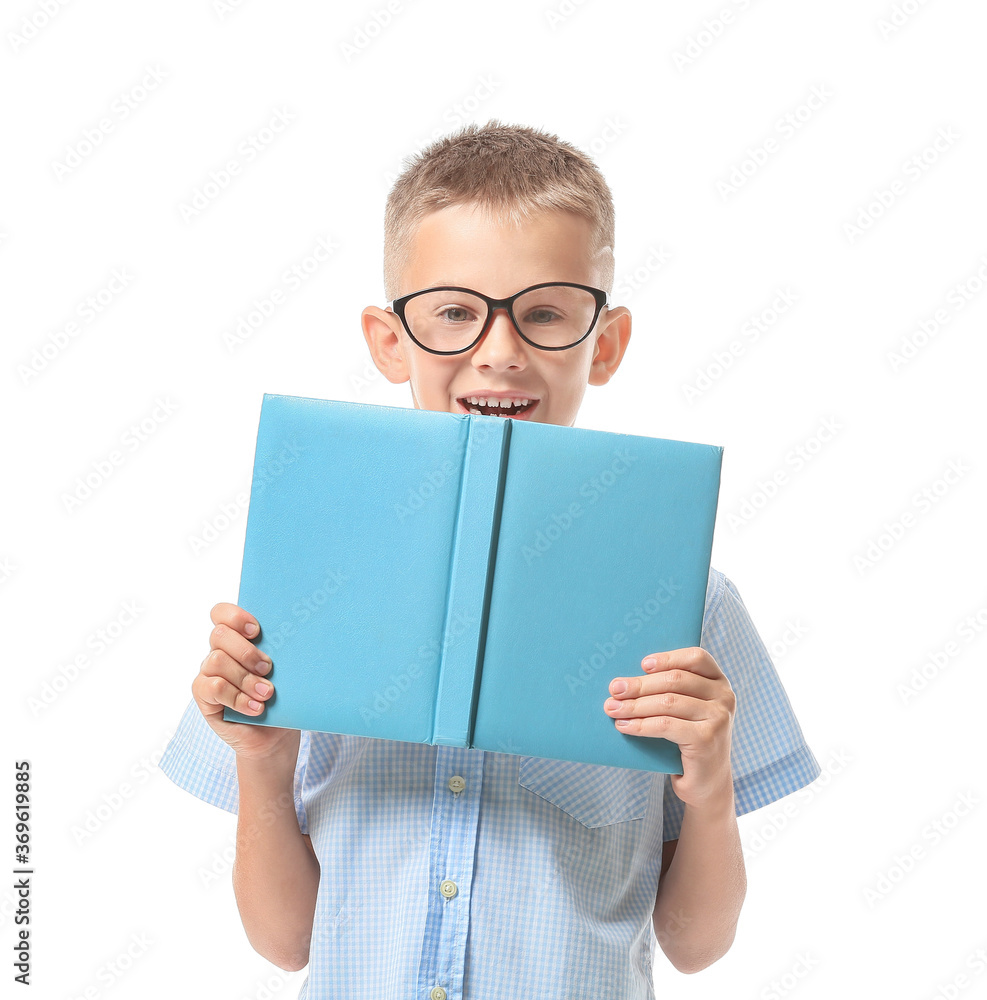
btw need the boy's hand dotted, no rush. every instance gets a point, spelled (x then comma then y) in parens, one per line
(231, 676)
(683, 697)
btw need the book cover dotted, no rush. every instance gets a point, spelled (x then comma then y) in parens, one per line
(470, 580)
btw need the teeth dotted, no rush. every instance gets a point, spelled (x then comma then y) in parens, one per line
(482, 401)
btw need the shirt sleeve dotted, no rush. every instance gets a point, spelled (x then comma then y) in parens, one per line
(197, 760)
(769, 756)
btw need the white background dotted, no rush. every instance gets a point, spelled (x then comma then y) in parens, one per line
(668, 134)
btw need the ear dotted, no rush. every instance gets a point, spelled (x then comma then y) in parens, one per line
(611, 342)
(383, 333)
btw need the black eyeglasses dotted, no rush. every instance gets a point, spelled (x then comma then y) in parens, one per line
(552, 316)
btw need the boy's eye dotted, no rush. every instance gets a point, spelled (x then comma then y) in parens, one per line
(541, 316)
(456, 314)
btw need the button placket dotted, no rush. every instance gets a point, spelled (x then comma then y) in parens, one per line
(452, 849)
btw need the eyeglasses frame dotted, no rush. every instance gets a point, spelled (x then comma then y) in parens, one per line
(495, 305)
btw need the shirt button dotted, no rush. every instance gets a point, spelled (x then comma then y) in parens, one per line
(448, 888)
(456, 783)
(437, 993)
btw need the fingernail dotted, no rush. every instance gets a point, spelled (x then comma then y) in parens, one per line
(618, 687)
(263, 687)
(250, 628)
(650, 663)
(255, 705)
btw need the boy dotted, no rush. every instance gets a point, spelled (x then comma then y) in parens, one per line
(401, 870)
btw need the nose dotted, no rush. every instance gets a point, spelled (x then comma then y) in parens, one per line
(501, 345)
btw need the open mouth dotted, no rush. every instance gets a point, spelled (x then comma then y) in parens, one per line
(497, 407)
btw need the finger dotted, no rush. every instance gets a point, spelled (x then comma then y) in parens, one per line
(220, 663)
(675, 679)
(699, 734)
(692, 658)
(666, 727)
(214, 692)
(669, 704)
(242, 650)
(236, 618)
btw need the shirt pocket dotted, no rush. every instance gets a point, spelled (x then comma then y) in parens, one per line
(592, 794)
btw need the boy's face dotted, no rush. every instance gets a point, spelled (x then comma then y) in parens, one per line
(463, 245)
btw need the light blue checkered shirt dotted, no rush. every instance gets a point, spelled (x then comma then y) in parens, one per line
(550, 868)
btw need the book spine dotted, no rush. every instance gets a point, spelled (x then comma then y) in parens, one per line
(470, 576)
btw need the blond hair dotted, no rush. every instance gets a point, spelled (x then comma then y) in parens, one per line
(511, 170)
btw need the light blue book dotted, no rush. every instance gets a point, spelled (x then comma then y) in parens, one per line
(470, 580)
